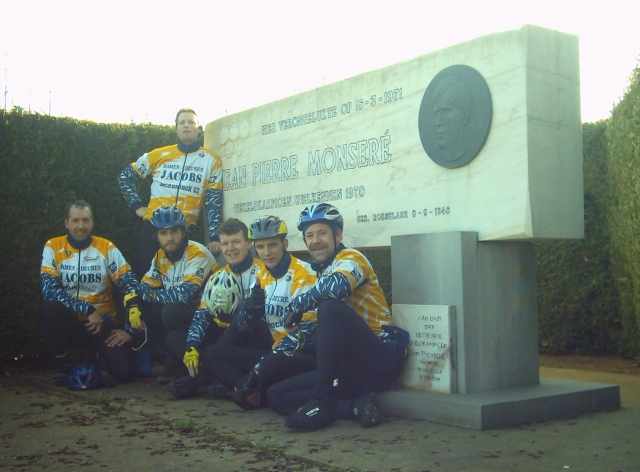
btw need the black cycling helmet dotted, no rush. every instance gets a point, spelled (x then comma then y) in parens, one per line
(167, 217)
(267, 227)
(320, 213)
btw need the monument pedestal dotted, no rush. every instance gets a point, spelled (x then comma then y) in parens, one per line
(492, 287)
(548, 400)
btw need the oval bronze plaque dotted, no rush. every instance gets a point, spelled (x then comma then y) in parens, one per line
(455, 116)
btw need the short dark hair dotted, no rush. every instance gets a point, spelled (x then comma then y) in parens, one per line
(233, 226)
(184, 110)
(76, 204)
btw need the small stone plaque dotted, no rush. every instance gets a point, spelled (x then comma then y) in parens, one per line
(431, 364)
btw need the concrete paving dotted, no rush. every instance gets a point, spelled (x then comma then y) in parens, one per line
(137, 427)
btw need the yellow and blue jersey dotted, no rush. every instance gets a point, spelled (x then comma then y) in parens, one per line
(80, 278)
(179, 281)
(367, 298)
(179, 179)
(279, 292)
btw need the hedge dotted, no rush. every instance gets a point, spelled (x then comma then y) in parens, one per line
(623, 142)
(577, 300)
(47, 163)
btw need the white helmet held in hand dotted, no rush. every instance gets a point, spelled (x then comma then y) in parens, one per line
(222, 295)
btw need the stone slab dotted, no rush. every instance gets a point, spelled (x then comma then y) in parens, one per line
(492, 286)
(356, 143)
(550, 400)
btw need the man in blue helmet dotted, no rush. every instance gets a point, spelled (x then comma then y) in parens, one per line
(357, 351)
(174, 280)
(282, 277)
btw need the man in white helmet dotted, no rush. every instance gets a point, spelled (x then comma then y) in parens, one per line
(213, 330)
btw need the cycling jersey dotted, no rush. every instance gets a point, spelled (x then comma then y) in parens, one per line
(186, 180)
(202, 318)
(280, 288)
(179, 281)
(82, 278)
(350, 278)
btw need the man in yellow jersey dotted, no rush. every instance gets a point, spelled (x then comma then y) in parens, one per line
(174, 280)
(77, 275)
(282, 277)
(357, 351)
(185, 175)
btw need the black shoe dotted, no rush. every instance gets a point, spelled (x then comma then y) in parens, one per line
(218, 391)
(247, 399)
(183, 387)
(313, 415)
(366, 411)
(107, 380)
(246, 394)
(168, 373)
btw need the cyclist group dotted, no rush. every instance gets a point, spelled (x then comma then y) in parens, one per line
(312, 341)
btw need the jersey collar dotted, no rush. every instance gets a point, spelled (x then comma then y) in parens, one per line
(319, 267)
(282, 267)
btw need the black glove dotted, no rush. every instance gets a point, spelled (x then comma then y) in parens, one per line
(250, 309)
(292, 315)
(255, 301)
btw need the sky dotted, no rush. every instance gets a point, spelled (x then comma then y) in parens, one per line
(140, 61)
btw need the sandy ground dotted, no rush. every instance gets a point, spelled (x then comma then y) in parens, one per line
(136, 427)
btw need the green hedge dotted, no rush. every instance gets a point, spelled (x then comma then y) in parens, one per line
(623, 141)
(577, 300)
(47, 163)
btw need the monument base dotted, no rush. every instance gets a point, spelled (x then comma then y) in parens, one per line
(550, 400)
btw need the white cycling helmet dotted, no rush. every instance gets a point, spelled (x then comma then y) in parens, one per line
(222, 295)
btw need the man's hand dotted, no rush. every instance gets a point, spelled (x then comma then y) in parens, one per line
(93, 323)
(140, 212)
(214, 247)
(117, 338)
(191, 360)
(293, 312)
(292, 316)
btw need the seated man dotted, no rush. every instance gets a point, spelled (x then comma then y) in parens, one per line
(174, 279)
(77, 275)
(357, 353)
(225, 362)
(282, 277)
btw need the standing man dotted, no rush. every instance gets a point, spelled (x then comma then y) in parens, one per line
(77, 275)
(185, 175)
(357, 352)
(174, 279)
